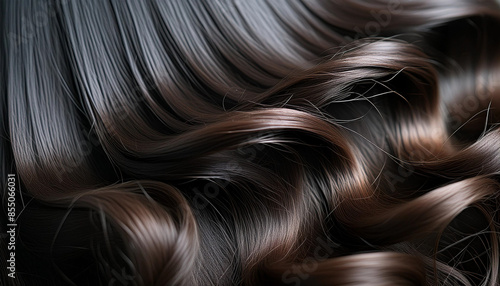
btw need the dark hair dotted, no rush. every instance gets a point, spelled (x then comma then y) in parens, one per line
(314, 142)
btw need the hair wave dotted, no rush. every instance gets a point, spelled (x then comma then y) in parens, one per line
(313, 142)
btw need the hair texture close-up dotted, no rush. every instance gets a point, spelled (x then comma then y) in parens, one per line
(250, 142)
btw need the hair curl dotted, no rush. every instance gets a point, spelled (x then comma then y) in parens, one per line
(259, 142)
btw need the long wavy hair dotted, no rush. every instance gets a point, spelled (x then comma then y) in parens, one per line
(252, 142)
